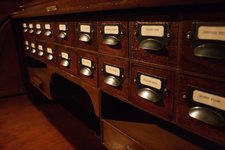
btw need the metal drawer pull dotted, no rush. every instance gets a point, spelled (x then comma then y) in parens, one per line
(86, 71)
(151, 44)
(149, 94)
(33, 51)
(62, 35)
(50, 57)
(207, 116)
(40, 53)
(65, 63)
(48, 33)
(85, 37)
(31, 31)
(111, 80)
(111, 40)
(38, 32)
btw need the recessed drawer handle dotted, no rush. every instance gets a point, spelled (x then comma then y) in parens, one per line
(85, 37)
(48, 33)
(207, 116)
(111, 40)
(211, 51)
(151, 44)
(86, 71)
(50, 57)
(65, 63)
(111, 80)
(149, 94)
(62, 35)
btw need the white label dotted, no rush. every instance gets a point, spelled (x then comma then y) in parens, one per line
(49, 50)
(40, 47)
(47, 26)
(62, 27)
(38, 26)
(65, 55)
(26, 43)
(112, 70)
(211, 33)
(33, 45)
(150, 81)
(24, 25)
(85, 28)
(86, 62)
(31, 26)
(150, 30)
(111, 29)
(209, 99)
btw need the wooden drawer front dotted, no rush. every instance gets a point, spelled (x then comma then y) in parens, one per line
(33, 48)
(86, 34)
(27, 45)
(203, 44)
(64, 32)
(115, 139)
(50, 53)
(40, 47)
(153, 90)
(154, 39)
(113, 76)
(25, 29)
(48, 31)
(67, 59)
(200, 107)
(88, 67)
(113, 36)
(38, 30)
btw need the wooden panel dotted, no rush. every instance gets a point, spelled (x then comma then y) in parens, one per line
(161, 83)
(113, 138)
(168, 55)
(92, 79)
(120, 91)
(67, 54)
(184, 103)
(120, 49)
(198, 64)
(92, 23)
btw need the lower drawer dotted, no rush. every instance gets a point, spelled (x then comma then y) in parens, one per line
(115, 139)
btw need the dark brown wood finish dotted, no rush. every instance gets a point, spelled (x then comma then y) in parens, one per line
(168, 56)
(217, 134)
(190, 62)
(92, 44)
(163, 108)
(72, 59)
(93, 79)
(121, 91)
(121, 49)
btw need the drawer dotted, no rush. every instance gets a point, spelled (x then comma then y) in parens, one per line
(88, 67)
(48, 31)
(200, 107)
(50, 53)
(86, 34)
(115, 139)
(25, 29)
(27, 45)
(64, 32)
(154, 39)
(38, 30)
(153, 90)
(67, 59)
(113, 36)
(40, 54)
(33, 48)
(113, 75)
(30, 29)
(204, 44)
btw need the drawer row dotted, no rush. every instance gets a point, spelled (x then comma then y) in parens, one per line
(189, 46)
(194, 103)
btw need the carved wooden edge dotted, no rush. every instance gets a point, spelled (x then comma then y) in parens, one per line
(56, 7)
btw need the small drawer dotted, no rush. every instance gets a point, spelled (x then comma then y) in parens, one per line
(88, 67)
(113, 75)
(50, 53)
(200, 107)
(115, 139)
(40, 50)
(25, 28)
(31, 29)
(33, 48)
(67, 59)
(113, 36)
(38, 30)
(203, 46)
(27, 45)
(154, 39)
(86, 34)
(48, 31)
(64, 33)
(153, 90)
